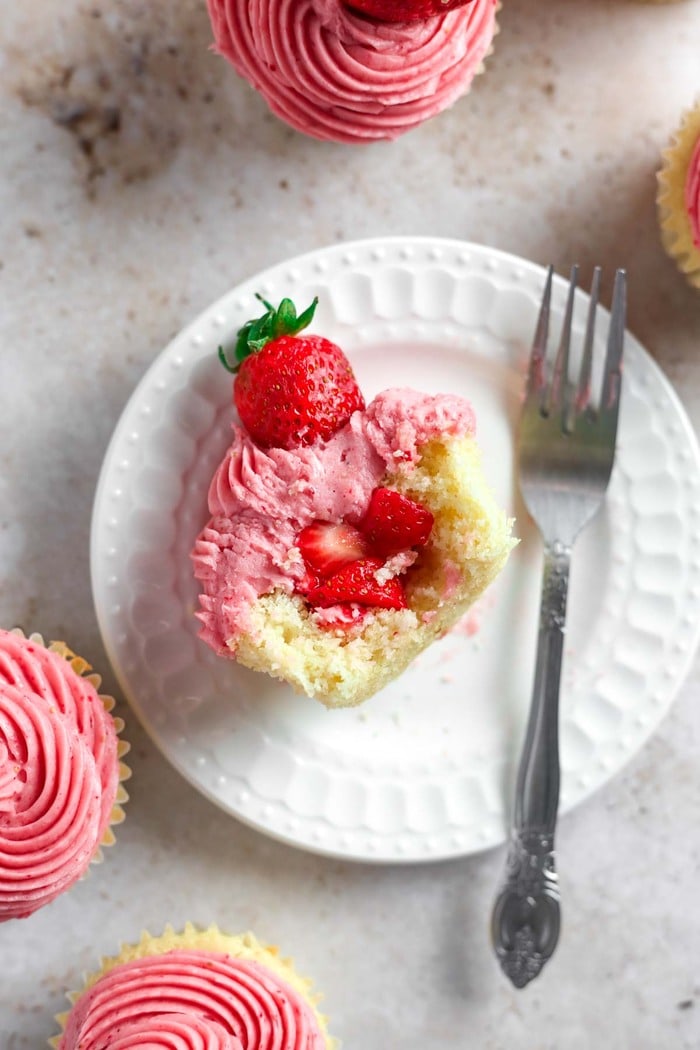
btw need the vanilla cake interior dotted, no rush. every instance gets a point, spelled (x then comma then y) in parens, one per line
(468, 546)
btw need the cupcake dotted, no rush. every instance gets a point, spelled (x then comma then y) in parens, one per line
(344, 538)
(60, 771)
(678, 197)
(345, 75)
(196, 989)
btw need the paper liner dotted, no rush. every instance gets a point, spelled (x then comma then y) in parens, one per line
(239, 946)
(676, 230)
(84, 670)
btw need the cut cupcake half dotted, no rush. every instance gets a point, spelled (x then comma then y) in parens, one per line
(342, 661)
(344, 538)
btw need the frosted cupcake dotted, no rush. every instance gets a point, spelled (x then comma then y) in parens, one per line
(339, 74)
(678, 197)
(60, 772)
(343, 538)
(195, 989)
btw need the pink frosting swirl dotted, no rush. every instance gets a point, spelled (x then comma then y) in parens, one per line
(260, 499)
(59, 775)
(172, 1032)
(254, 1007)
(36, 670)
(49, 803)
(336, 75)
(692, 194)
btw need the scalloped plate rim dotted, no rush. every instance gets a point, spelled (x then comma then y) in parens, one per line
(411, 243)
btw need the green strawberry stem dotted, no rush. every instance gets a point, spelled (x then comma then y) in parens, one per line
(255, 334)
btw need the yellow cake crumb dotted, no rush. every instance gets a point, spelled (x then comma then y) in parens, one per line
(469, 544)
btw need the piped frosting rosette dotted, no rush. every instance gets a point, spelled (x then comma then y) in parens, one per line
(173, 1032)
(60, 772)
(336, 75)
(678, 197)
(194, 990)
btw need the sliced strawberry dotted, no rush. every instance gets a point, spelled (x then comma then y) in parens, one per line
(357, 582)
(395, 523)
(327, 546)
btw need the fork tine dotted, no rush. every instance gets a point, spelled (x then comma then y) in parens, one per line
(616, 335)
(583, 393)
(555, 395)
(536, 374)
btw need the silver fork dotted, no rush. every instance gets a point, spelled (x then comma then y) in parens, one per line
(566, 450)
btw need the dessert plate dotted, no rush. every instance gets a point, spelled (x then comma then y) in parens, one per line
(423, 770)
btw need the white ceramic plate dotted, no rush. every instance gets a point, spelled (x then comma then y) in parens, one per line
(423, 770)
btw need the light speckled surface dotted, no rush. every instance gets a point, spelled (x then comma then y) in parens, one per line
(137, 189)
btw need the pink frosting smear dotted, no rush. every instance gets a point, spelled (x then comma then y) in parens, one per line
(692, 194)
(191, 1000)
(337, 75)
(59, 775)
(260, 499)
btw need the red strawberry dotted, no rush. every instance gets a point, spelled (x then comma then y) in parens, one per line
(357, 582)
(395, 523)
(326, 546)
(289, 389)
(404, 10)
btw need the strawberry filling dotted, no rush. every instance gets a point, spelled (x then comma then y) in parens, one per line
(395, 523)
(354, 567)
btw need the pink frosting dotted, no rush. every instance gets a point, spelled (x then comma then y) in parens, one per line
(172, 1032)
(692, 194)
(260, 499)
(337, 75)
(58, 775)
(233, 1003)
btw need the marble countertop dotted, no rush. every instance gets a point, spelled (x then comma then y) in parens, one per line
(140, 179)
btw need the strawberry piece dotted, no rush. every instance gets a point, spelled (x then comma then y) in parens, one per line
(357, 582)
(395, 523)
(326, 546)
(289, 389)
(404, 10)
(309, 583)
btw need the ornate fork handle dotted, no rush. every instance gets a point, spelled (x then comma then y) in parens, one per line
(525, 925)
(526, 916)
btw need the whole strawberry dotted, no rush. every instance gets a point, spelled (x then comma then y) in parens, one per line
(404, 10)
(290, 389)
